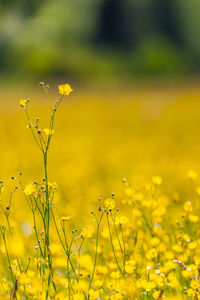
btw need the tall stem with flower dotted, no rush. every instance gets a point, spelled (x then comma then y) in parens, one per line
(44, 144)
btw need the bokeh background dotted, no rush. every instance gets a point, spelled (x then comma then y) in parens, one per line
(92, 39)
(134, 113)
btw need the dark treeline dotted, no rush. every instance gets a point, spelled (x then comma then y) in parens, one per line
(103, 36)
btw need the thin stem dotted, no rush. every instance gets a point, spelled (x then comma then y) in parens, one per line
(113, 249)
(124, 246)
(8, 257)
(96, 253)
(66, 250)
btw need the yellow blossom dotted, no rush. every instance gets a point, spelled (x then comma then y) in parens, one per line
(192, 245)
(191, 293)
(66, 218)
(78, 296)
(86, 232)
(52, 185)
(23, 103)
(30, 189)
(65, 89)
(195, 284)
(156, 294)
(188, 206)
(115, 275)
(48, 132)
(121, 220)
(193, 218)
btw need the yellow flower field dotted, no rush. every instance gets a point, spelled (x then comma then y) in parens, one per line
(99, 193)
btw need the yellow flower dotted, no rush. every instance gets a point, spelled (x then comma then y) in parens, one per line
(48, 132)
(193, 218)
(188, 206)
(115, 275)
(98, 283)
(157, 180)
(130, 266)
(156, 294)
(195, 284)
(23, 103)
(192, 245)
(30, 189)
(177, 248)
(155, 241)
(121, 220)
(149, 286)
(86, 233)
(66, 218)
(52, 185)
(78, 296)
(152, 253)
(94, 294)
(191, 293)
(65, 89)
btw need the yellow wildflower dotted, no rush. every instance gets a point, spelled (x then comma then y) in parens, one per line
(156, 294)
(195, 284)
(65, 89)
(115, 275)
(30, 189)
(23, 103)
(121, 220)
(193, 218)
(66, 218)
(86, 233)
(78, 296)
(52, 185)
(191, 293)
(48, 132)
(192, 245)
(188, 206)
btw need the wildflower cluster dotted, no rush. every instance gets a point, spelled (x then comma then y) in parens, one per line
(137, 247)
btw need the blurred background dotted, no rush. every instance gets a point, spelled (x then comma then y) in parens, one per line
(95, 39)
(134, 113)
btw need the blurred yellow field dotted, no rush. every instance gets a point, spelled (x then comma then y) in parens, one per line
(117, 217)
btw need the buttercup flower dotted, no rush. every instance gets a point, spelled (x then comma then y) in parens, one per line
(48, 132)
(30, 189)
(23, 103)
(65, 89)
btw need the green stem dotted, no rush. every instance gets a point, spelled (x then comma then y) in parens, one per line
(96, 253)
(113, 249)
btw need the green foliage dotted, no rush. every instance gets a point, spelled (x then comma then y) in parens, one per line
(58, 38)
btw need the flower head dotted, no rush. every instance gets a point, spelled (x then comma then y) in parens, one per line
(65, 89)
(48, 132)
(23, 103)
(30, 189)
(66, 218)
(86, 232)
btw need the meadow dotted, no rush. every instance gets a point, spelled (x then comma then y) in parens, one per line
(113, 213)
